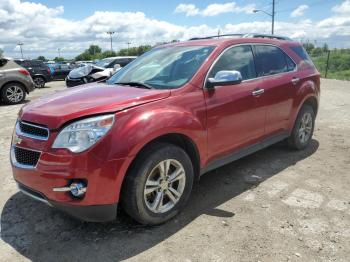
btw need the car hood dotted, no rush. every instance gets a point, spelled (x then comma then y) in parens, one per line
(95, 98)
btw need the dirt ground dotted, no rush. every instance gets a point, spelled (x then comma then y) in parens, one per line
(275, 205)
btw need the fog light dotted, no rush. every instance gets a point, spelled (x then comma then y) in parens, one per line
(77, 189)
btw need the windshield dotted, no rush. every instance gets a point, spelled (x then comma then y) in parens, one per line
(104, 62)
(163, 68)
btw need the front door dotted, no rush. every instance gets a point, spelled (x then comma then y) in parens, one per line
(235, 113)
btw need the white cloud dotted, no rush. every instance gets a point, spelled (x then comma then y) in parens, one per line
(43, 30)
(343, 8)
(188, 9)
(299, 11)
(214, 9)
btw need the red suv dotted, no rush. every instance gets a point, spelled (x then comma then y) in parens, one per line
(141, 139)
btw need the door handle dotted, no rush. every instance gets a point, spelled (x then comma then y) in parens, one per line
(295, 80)
(258, 91)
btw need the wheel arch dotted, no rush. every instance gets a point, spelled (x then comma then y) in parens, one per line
(177, 139)
(311, 101)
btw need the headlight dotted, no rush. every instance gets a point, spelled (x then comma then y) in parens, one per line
(82, 134)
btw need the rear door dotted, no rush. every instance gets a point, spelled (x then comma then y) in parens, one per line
(276, 71)
(235, 113)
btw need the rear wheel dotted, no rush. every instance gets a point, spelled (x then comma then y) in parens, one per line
(39, 81)
(158, 185)
(303, 128)
(13, 93)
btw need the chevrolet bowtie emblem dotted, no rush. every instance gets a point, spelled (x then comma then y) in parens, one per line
(16, 139)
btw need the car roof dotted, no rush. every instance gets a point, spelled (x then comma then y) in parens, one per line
(225, 40)
(119, 57)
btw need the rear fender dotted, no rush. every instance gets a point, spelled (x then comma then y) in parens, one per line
(308, 90)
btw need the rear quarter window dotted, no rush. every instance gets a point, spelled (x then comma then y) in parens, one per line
(303, 56)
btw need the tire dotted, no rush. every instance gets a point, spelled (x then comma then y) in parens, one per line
(303, 128)
(140, 200)
(13, 93)
(39, 81)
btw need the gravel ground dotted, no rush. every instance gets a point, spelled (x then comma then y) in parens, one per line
(275, 205)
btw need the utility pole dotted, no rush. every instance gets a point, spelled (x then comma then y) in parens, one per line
(128, 43)
(59, 52)
(273, 17)
(110, 35)
(20, 46)
(219, 33)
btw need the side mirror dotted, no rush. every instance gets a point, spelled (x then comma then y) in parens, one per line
(224, 78)
(116, 67)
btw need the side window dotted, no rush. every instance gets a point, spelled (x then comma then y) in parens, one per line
(123, 62)
(238, 58)
(270, 60)
(290, 64)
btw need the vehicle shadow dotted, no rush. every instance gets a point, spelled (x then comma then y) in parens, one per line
(41, 233)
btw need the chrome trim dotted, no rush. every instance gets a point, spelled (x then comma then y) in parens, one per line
(251, 45)
(19, 131)
(34, 197)
(258, 92)
(19, 165)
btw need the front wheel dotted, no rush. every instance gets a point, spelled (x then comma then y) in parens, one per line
(158, 185)
(303, 128)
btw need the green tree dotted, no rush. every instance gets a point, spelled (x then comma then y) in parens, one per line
(59, 59)
(108, 53)
(309, 47)
(94, 50)
(92, 53)
(325, 47)
(134, 51)
(42, 58)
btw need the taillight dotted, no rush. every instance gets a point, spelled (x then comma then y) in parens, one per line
(23, 72)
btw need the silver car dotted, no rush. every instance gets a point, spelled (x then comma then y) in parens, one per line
(15, 82)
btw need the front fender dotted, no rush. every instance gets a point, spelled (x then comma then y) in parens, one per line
(141, 127)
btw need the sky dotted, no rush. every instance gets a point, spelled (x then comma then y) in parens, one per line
(44, 26)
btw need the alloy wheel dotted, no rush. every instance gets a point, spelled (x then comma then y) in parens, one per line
(305, 128)
(39, 82)
(164, 186)
(14, 94)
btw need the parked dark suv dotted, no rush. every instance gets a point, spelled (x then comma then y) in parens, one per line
(39, 72)
(143, 137)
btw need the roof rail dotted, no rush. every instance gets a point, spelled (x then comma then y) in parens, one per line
(266, 36)
(243, 36)
(216, 36)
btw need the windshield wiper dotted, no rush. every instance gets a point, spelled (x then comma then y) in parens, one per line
(136, 84)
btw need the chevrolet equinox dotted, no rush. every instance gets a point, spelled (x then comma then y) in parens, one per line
(143, 137)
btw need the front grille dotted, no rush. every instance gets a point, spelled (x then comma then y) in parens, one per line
(26, 157)
(33, 131)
